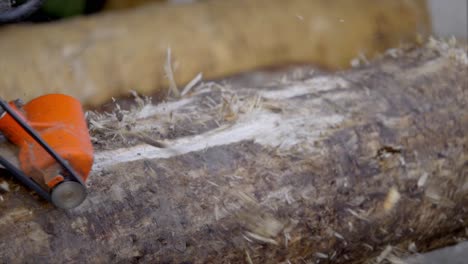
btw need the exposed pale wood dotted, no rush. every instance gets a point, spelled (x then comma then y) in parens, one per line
(329, 167)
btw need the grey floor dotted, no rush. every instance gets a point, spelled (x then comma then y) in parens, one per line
(450, 255)
(449, 18)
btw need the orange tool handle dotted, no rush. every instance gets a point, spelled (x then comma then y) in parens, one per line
(59, 121)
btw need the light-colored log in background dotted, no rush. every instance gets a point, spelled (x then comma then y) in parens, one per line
(106, 55)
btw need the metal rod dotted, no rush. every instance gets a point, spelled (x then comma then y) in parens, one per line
(24, 179)
(73, 175)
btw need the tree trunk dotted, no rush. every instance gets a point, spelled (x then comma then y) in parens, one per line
(335, 168)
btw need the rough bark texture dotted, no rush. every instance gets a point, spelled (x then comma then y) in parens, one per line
(336, 168)
(97, 57)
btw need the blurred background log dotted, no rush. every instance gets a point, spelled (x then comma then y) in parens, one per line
(362, 165)
(108, 54)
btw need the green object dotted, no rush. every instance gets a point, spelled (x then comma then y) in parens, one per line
(64, 8)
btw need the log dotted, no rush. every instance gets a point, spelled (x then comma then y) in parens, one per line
(346, 167)
(97, 57)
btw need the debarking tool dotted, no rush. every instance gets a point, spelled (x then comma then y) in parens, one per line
(54, 147)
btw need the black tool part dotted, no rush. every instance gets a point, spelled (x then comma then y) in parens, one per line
(24, 179)
(68, 169)
(19, 12)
